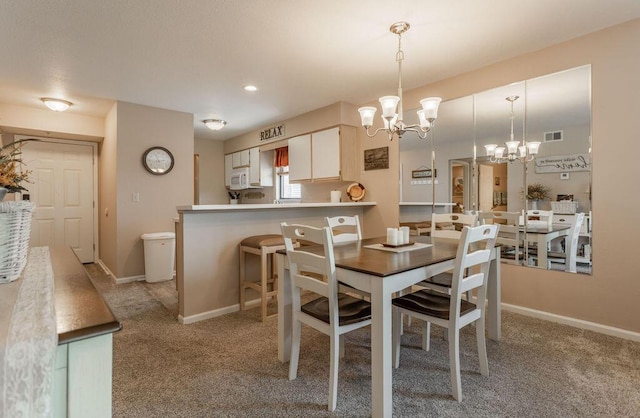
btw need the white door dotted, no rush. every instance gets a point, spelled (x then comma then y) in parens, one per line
(62, 191)
(485, 182)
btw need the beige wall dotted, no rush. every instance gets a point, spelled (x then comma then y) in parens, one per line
(212, 190)
(610, 296)
(107, 191)
(138, 128)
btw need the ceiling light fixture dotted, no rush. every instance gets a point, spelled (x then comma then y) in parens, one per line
(214, 124)
(250, 88)
(57, 105)
(393, 121)
(525, 152)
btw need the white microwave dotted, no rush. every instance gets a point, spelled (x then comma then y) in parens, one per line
(239, 179)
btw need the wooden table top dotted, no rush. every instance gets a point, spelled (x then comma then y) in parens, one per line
(355, 256)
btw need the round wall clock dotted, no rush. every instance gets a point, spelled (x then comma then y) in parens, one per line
(157, 160)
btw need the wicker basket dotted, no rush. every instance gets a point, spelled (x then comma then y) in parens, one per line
(565, 207)
(15, 227)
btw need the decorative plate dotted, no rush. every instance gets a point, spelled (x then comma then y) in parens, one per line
(356, 192)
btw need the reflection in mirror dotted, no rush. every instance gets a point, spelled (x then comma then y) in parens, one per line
(453, 133)
(558, 113)
(555, 110)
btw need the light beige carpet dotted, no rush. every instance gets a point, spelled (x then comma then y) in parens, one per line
(228, 367)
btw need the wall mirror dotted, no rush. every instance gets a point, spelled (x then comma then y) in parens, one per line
(554, 110)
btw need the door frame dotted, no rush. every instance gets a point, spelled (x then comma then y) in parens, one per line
(94, 155)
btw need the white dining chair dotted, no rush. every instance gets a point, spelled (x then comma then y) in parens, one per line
(570, 254)
(509, 235)
(450, 310)
(444, 224)
(344, 228)
(331, 313)
(540, 217)
(442, 281)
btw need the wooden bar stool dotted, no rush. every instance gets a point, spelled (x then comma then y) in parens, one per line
(264, 246)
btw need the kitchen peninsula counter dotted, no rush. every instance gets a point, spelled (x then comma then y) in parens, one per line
(207, 239)
(254, 206)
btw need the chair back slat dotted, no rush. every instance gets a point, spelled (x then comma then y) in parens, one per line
(471, 282)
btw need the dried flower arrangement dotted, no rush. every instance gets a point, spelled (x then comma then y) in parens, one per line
(11, 174)
(538, 191)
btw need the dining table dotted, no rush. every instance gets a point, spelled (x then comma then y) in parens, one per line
(542, 235)
(382, 271)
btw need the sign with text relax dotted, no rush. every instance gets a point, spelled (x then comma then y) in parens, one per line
(563, 163)
(274, 132)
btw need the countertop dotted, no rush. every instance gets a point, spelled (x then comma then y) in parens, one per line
(249, 206)
(81, 312)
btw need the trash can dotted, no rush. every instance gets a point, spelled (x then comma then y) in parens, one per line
(159, 256)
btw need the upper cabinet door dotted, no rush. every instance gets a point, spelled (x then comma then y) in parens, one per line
(325, 154)
(228, 166)
(300, 158)
(254, 166)
(240, 158)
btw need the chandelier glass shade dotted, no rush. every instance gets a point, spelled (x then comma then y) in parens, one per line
(513, 150)
(392, 114)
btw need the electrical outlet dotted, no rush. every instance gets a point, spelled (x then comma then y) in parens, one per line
(135, 197)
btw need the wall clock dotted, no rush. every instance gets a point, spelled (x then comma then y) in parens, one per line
(157, 160)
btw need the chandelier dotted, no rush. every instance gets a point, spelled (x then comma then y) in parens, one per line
(393, 120)
(514, 149)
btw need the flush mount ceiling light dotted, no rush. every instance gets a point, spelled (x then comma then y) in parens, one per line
(250, 88)
(57, 105)
(214, 124)
(393, 121)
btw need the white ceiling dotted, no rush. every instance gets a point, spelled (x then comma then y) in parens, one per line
(196, 55)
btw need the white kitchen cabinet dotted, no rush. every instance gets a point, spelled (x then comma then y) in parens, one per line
(300, 158)
(240, 159)
(325, 155)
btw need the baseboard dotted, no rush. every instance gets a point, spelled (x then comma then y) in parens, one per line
(130, 279)
(208, 315)
(577, 323)
(122, 280)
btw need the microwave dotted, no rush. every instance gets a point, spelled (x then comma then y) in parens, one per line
(239, 179)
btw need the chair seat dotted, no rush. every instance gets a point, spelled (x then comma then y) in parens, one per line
(258, 241)
(428, 302)
(350, 309)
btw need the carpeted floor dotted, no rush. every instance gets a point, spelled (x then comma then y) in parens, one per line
(228, 367)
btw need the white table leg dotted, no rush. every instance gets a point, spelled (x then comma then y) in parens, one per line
(494, 296)
(381, 370)
(284, 309)
(542, 250)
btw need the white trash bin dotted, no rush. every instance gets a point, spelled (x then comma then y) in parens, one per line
(159, 256)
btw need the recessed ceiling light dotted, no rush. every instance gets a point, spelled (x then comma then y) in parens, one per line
(250, 88)
(57, 105)
(214, 124)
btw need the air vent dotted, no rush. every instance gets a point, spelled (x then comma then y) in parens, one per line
(553, 136)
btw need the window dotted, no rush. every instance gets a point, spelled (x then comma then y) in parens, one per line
(286, 190)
